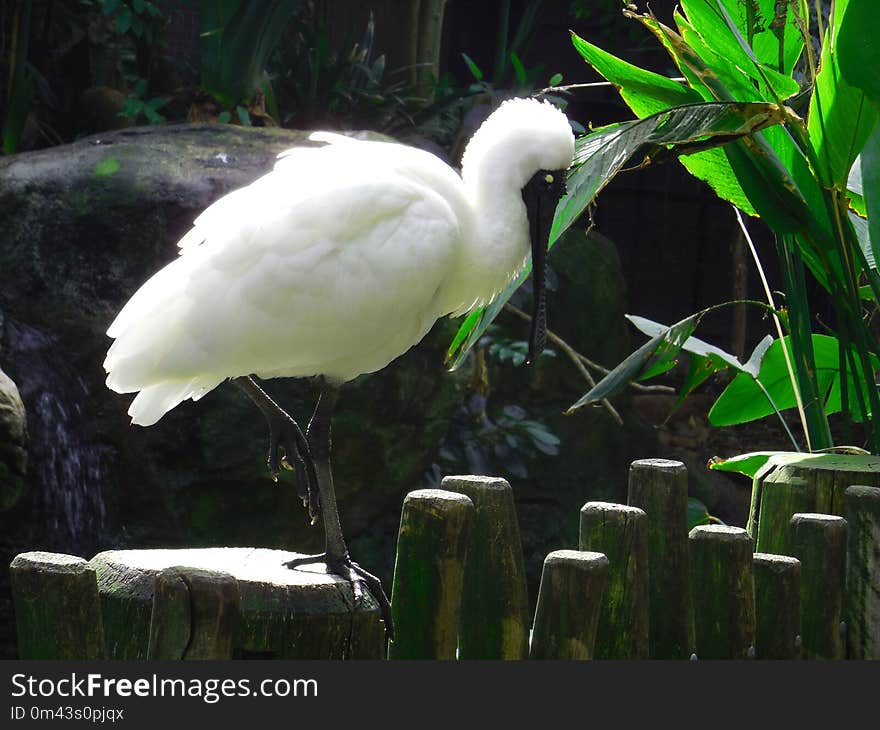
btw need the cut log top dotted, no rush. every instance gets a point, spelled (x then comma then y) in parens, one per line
(776, 562)
(622, 509)
(481, 482)
(57, 562)
(719, 533)
(259, 572)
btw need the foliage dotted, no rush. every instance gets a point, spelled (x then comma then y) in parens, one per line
(348, 88)
(792, 173)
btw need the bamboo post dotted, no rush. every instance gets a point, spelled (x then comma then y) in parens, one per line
(819, 542)
(620, 532)
(569, 598)
(659, 487)
(782, 496)
(495, 601)
(777, 606)
(57, 608)
(195, 615)
(429, 574)
(724, 604)
(863, 572)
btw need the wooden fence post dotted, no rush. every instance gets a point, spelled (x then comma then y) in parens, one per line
(777, 606)
(57, 607)
(819, 542)
(659, 487)
(195, 615)
(620, 532)
(495, 601)
(429, 574)
(782, 496)
(863, 572)
(724, 602)
(567, 614)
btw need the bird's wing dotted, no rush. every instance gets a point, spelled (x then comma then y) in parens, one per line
(332, 266)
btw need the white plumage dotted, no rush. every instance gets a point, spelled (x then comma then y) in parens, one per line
(336, 262)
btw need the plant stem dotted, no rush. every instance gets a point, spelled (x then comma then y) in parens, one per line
(769, 295)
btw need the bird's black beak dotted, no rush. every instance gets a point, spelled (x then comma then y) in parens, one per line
(541, 195)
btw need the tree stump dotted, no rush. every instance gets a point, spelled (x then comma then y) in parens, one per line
(863, 572)
(283, 613)
(659, 487)
(826, 478)
(569, 599)
(724, 599)
(777, 606)
(819, 542)
(57, 610)
(495, 603)
(620, 532)
(426, 595)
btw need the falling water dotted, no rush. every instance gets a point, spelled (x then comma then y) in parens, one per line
(65, 467)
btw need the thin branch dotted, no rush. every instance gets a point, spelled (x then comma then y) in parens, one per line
(591, 85)
(562, 344)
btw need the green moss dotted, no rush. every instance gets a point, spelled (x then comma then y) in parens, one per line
(106, 168)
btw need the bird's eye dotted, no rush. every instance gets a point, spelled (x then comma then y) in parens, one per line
(548, 178)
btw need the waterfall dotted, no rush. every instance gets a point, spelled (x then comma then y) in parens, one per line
(65, 461)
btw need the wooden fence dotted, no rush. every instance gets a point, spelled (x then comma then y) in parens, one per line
(639, 586)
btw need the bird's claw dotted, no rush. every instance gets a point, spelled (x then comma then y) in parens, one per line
(358, 578)
(289, 450)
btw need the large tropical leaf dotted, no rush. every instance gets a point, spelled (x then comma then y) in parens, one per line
(841, 116)
(599, 156)
(858, 52)
(768, 27)
(661, 352)
(752, 463)
(744, 400)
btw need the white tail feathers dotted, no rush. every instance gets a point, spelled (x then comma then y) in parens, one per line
(155, 401)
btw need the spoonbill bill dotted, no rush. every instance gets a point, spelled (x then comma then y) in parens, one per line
(332, 265)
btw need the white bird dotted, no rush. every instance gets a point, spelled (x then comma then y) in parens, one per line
(334, 264)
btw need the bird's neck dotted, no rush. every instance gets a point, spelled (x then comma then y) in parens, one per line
(497, 246)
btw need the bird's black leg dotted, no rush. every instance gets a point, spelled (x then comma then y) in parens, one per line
(335, 553)
(286, 436)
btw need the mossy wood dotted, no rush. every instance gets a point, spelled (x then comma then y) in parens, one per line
(660, 487)
(195, 615)
(724, 592)
(57, 610)
(863, 572)
(819, 542)
(782, 496)
(569, 600)
(827, 477)
(284, 614)
(620, 532)
(495, 602)
(426, 594)
(777, 606)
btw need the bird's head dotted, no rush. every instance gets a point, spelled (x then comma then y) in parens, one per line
(528, 145)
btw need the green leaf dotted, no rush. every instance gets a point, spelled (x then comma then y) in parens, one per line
(518, 69)
(753, 463)
(697, 514)
(123, 19)
(243, 116)
(743, 400)
(224, 117)
(237, 39)
(769, 27)
(858, 52)
(731, 50)
(555, 80)
(108, 6)
(138, 5)
(655, 355)
(475, 70)
(840, 116)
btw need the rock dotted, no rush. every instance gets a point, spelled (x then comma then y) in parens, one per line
(13, 444)
(85, 225)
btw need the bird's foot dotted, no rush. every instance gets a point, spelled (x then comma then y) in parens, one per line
(346, 568)
(289, 449)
